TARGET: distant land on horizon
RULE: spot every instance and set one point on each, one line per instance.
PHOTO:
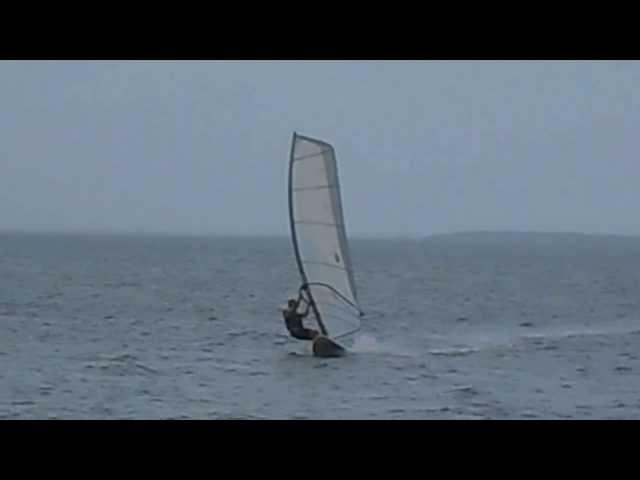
(537, 241)
(489, 235)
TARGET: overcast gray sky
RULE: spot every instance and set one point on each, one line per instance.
(423, 147)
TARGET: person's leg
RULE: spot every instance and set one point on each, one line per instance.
(310, 334)
(304, 333)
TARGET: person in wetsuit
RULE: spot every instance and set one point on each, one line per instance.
(293, 320)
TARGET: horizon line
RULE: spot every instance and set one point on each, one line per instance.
(373, 236)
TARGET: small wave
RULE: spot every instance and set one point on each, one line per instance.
(466, 389)
(378, 397)
(231, 367)
(623, 368)
(395, 411)
(121, 284)
(299, 416)
(297, 354)
(453, 352)
(141, 366)
(244, 333)
(237, 416)
(123, 357)
(122, 363)
(469, 416)
(541, 339)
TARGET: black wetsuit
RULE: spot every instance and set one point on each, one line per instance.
(293, 322)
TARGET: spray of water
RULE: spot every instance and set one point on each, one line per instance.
(366, 343)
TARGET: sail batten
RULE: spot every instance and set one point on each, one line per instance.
(311, 155)
(320, 187)
(320, 224)
(322, 254)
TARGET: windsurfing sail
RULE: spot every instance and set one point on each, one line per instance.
(319, 236)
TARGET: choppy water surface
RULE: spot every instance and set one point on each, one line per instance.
(524, 326)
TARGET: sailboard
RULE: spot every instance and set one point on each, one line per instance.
(320, 242)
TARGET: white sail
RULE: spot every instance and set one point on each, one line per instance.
(319, 236)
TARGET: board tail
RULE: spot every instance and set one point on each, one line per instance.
(327, 348)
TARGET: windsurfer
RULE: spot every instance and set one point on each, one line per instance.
(293, 319)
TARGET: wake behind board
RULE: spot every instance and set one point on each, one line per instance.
(327, 348)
